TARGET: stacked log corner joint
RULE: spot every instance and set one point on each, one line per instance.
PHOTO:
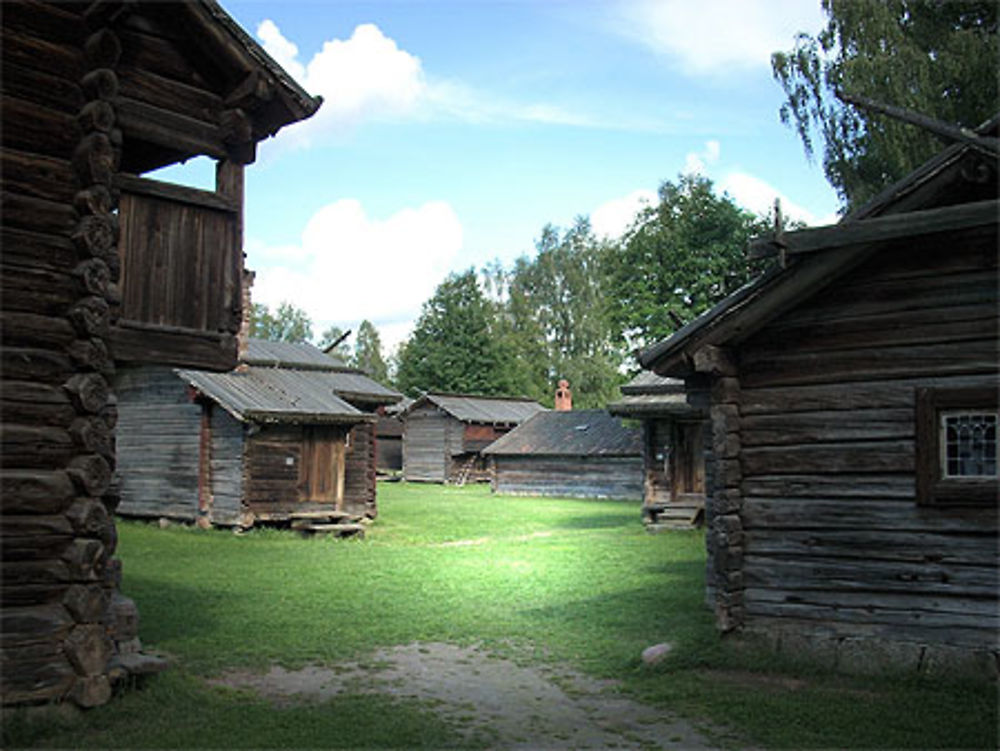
(70, 634)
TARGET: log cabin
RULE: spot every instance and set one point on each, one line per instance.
(676, 449)
(444, 434)
(570, 454)
(288, 436)
(389, 438)
(853, 401)
(102, 267)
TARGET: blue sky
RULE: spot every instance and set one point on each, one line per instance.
(452, 132)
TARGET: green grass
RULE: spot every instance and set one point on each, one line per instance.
(577, 582)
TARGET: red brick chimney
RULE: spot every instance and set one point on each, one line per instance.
(564, 397)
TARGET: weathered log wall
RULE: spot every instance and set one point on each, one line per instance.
(58, 286)
(359, 470)
(816, 531)
(273, 487)
(158, 444)
(614, 477)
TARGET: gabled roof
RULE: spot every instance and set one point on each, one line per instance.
(587, 432)
(255, 97)
(649, 394)
(934, 197)
(488, 410)
(345, 381)
(275, 395)
(291, 355)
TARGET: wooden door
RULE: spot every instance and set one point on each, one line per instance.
(687, 462)
(321, 465)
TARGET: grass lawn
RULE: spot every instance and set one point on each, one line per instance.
(576, 582)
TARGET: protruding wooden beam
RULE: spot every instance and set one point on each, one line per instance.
(881, 228)
(945, 131)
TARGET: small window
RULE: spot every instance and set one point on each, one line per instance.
(957, 446)
(969, 443)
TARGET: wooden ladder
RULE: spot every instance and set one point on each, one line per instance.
(465, 471)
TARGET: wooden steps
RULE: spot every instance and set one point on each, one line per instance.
(660, 517)
(335, 523)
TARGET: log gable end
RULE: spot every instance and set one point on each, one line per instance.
(854, 411)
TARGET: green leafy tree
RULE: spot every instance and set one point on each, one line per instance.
(936, 57)
(453, 347)
(286, 324)
(368, 352)
(556, 322)
(342, 351)
(679, 258)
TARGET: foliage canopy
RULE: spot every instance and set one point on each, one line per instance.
(937, 58)
(680, 257)
(287, 324)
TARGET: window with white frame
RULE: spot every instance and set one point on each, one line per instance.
(968, 444)
(956, 446)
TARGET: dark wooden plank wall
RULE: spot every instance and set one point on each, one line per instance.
(187, 249)
(569, 476)
(833, 540)
(273, 456)
(228, 443)
(389, 453)
(272, 483)
(359, 482)
(158, 444)
(57, 166)
(425, 445)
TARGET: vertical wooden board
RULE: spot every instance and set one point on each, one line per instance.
(227, 467)
(425, 447)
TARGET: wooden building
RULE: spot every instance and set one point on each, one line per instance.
(676, 449)
(571, 454)
(389, 438)
(444, 434)
(100, 267)
(288, 436)
(854, 409)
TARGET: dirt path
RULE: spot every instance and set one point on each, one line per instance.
(513, 706)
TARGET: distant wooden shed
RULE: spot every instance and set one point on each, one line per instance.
(445, 433)
(676, 448)
(101, 267)
(854, 408)
(389, 435)
(574, 454)
(290, 435)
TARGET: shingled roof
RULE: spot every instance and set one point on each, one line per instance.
(291, 382)
(487, 410)
(649, 393)
(275, 395)
(347, 382)
(585, 432)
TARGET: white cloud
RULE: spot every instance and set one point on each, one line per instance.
(349, 266)
(364, 77)
(612, 218)
(718, 37)
(695, 162)
(368, 77)
(758, 196)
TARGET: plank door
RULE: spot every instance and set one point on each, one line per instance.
(321, 466)
(687, 462)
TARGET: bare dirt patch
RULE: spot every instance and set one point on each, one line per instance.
(512, 705)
